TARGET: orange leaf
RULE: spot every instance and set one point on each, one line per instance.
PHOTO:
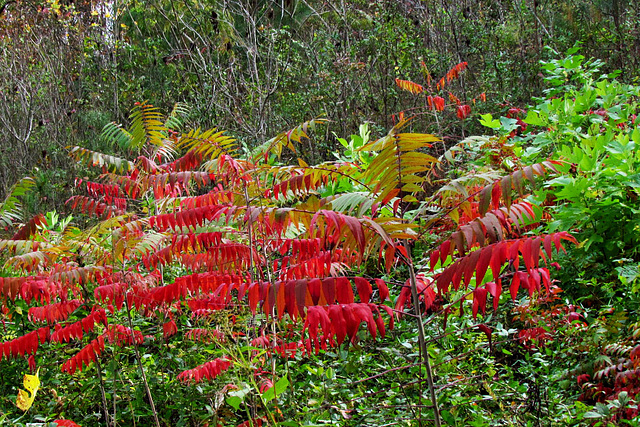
(409, 86)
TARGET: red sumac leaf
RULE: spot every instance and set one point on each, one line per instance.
(433, 259)
(314, 286)
(463, 111)
(26, 344)
(383, 290)
(169, 328)
(343, 290)
(495, 290)
(85, 356)
(438, 103)
(479, 301)
(209, 371)
(121, 335)
(426, 294)
(338, 323)
(30, 227)
(487, 331)
(364, 289)
(483, 264)
(53, 312)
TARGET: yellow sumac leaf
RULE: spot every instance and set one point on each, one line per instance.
(412, 145)
(412, 170)
(411, 178)
(411, 188)
(455, 215)
(388, 180)
(417, 137)
(413, 156)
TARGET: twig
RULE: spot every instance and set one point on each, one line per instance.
(421, 335)
(103, 395)
(399, 368)
(139, 360)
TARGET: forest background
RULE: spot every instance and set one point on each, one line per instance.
(553, 83)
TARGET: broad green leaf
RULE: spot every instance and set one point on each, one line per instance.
(279, 388)
(234, 402)
(534, 118)
(487, 120)
(508, 124)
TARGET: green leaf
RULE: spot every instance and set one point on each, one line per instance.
(343, 142)
(330, 373)
(623, 398)
(616, 147)
(448, 418)
(487, 120)
(236, 397)
(234, 402)
(278, 389)
(628, 273)
(635, 136)
(533, 118)
(507, 124)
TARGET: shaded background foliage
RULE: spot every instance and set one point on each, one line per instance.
(256, 67)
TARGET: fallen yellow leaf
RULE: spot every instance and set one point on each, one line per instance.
(25, 399)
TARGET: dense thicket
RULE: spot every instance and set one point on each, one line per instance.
(235, 258)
